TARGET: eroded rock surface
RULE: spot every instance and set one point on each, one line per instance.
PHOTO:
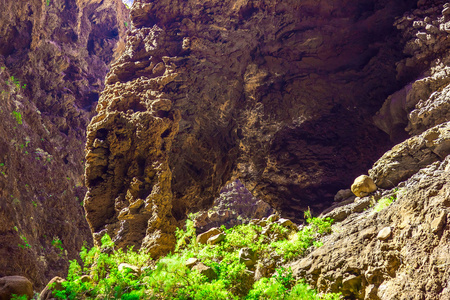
(53, 59)
(279, 94)
(402, 251)
(234, 206)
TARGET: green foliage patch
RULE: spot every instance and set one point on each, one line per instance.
(104, 273)
(386, 201)
(18, 116)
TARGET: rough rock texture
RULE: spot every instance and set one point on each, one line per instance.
(401, 252)
(60, 50)
(362, 262)
(234, 206)
(279, 94)
(15, 285)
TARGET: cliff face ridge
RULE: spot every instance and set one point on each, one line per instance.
(400, 251)
(277, 94)
(54, 56)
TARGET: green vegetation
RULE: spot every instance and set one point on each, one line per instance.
(386, 201)
(56, 242)
(25, 242)
(47, 2)
(169, 278)
(15, 82)
(383, 203)
(18, 117)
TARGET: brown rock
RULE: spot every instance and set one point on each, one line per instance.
(273, 218)
(342, 195)
(409, 157)
(379, 270)
(203, 238)
(17, 285)
(205, 270)
(234, 206)
(215, 239)
(287, 224)
(384, 233)
(191, 262)
(363, 186)
(248, 257)
(256, 112)
(438, 223)
(125, 267)
(54, 285)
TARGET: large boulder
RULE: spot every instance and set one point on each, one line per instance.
(363, 186)
(54, 285)
(15, 285)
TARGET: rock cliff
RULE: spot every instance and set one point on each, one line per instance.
(400, 251)
(279, 94)
(54, 56)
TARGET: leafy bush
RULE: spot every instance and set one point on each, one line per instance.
(18, 116)
(296, 244)
(99, 276)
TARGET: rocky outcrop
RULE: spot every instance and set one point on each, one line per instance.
(234, 206)
(53, 59)
(279, 94)
(396, 253)
(400, 251)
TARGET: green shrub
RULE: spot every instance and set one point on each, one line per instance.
(296, 244)
(170, 278)
(18, 117)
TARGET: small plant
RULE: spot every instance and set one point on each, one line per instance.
(19, 297)
(18, 117)
(386, 201)
(47, 2)
(383, 203)
(34, 203)
(56, 242)
(25, 242)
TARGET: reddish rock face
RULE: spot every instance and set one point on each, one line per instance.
(279, 94)
(53, 58)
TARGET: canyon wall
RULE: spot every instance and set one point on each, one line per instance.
(400, 251)
(54, 55)
(277, 94)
